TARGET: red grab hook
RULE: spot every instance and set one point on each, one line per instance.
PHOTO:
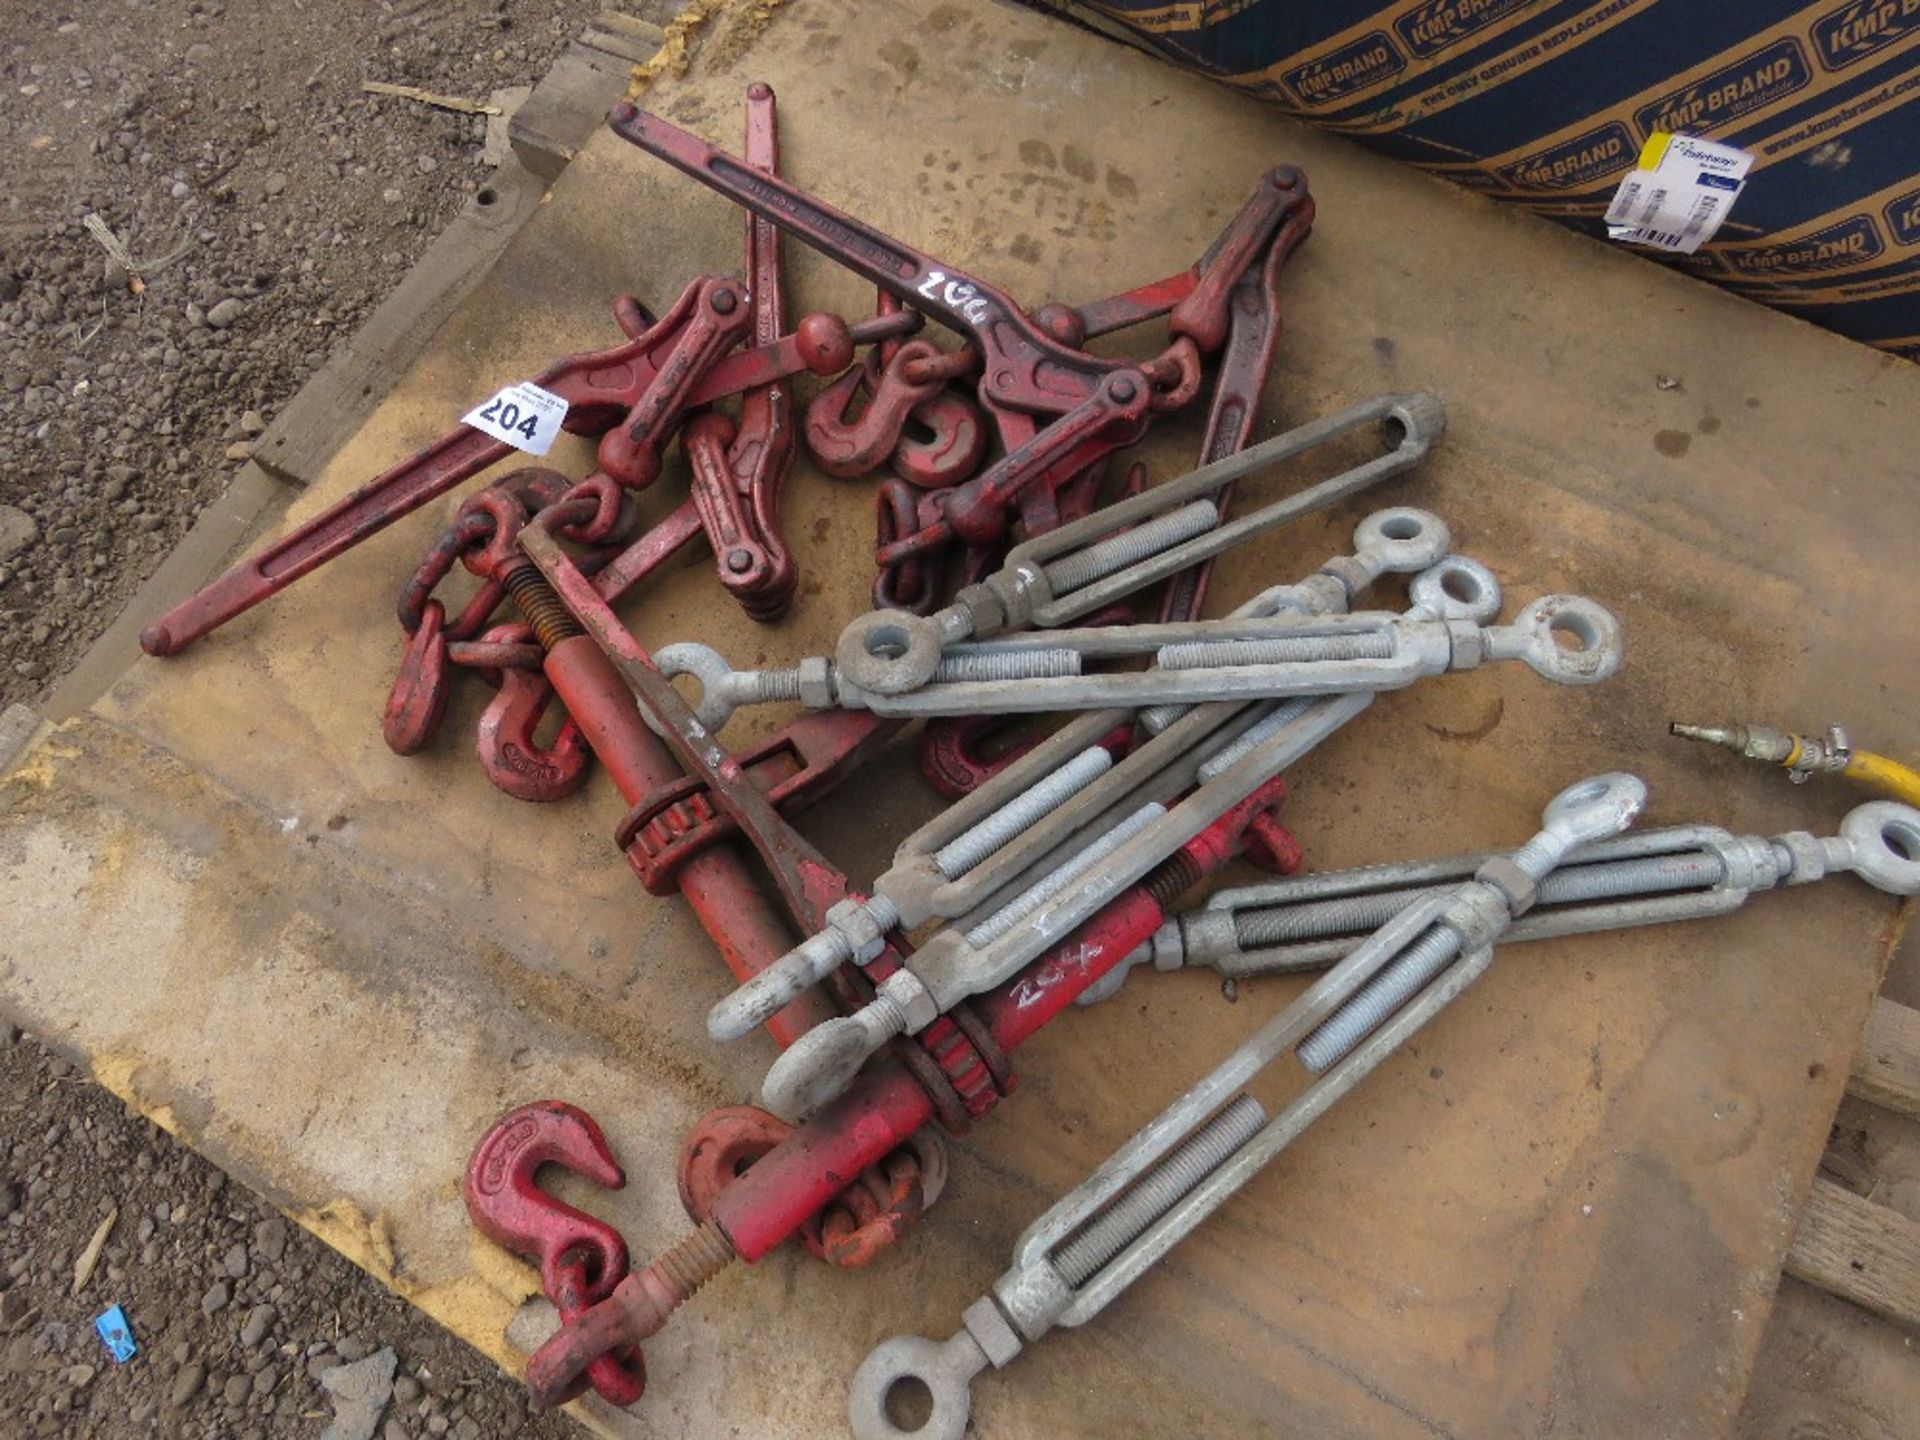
(581, 1259)
(513, 759)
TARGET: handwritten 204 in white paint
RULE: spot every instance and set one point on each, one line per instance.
(957, 295)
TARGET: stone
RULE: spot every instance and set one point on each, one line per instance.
(237, 1390)
(224, 313)
(252, 422)
(270, 1236)
(18, 531)
(360, 1393)
(321, 1361)
(407, 1390)
(259, 1320)
(276, 184)
(187, 1383)
(235, 1261)
(216, 1298)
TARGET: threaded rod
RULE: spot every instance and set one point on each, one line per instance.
(973, 846)
(1115, 553)
(694, 1260)
(1679, 873)
(1156, 1192)
(539, 605)
(1280, 650)
(1402, 978)
(1172, 878)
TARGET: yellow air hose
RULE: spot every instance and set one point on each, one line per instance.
(1803, 756)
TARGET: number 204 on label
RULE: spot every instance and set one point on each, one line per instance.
(524, 416)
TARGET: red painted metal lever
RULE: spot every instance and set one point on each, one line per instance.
(599, 388)
(886, 1103)
(1026, 365)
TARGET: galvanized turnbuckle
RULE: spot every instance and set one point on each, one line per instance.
(1182, 1166)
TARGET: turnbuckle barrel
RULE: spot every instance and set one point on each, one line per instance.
(1654, 877)
(1184, 1164)
(1076, 569)
(947, 968)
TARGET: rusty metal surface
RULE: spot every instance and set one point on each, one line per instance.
(1565, 1218)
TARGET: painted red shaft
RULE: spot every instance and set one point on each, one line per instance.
(886, 1104)
(716, 883)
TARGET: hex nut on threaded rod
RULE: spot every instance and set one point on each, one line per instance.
(821, 1063)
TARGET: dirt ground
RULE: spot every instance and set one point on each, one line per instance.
(237, 1313)
(269, 205)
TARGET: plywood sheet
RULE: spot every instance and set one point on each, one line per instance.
(1562, 1213)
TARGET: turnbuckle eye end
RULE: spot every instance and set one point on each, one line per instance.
(1570, 640)
(1404, 537)
(710, 670)
(815, 1068)
(889, 651)
(1457, 588)
(911, 1368)
(1597, 807)
(1885, 836)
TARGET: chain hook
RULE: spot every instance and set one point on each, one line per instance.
(581, 1258)
(513, 759)
(418, 701)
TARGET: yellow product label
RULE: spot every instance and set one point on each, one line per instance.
(1655, 150)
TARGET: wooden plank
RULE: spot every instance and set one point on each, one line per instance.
(626, 36)
(1830, 1371)
(637, 26)
(18, 723)
(1860, 1251)
(340, 396)
(567, 107)
(1886, 1069)
(623, 50)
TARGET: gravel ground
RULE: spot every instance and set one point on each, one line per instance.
(247, 1325)
(271, 205)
